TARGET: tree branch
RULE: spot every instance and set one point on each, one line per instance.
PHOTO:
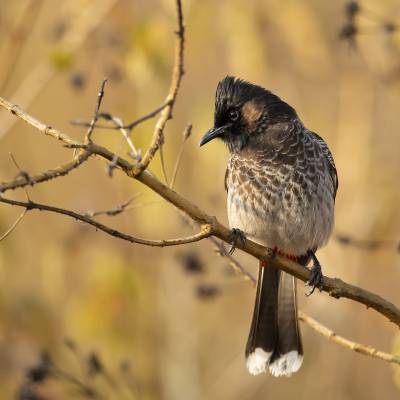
(166, 113)
(186, 134)
(206, 230)
(333, 286)
(62, 170)
(13, 226)
(118, 209)
(100, 95)
(129, 126)
(135, 154)
(357, 347)
(40, 126)
(306, 319)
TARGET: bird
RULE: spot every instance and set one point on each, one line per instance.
(281, 184)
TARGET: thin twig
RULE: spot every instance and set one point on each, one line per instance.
(13, 226)
(163, 168)
(21, 173)
(129, 126)
(357, 347)
(176, 79)
(206, 230)
(119, 124)
(28, 180)
(100, 95)
(40, 126)
(186, 134)
(148, 116)
(118, 209)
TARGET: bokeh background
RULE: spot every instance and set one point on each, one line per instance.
(172, 323)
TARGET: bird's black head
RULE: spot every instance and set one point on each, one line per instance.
(244, 111)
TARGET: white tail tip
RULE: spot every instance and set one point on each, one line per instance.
(257, 361)
(287, 364)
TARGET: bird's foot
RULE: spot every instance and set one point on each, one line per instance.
(316, 278)
(237, 236)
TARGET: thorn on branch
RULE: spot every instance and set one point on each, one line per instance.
(75, 146)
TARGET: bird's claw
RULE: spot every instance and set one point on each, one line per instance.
(316, 280)
(236, 236)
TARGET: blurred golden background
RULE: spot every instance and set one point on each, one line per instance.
(183, 332)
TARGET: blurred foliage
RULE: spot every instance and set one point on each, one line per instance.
(78, 374)
(175, 312)
(143, 56)
(61, 59)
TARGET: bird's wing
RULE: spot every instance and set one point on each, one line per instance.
(328, 155)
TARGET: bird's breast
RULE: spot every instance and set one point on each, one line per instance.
(279, 206)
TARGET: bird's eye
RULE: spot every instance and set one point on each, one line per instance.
(233, 115)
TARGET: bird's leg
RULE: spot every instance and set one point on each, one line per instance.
(316, 277)
(237, 236)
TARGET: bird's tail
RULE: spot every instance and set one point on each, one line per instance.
(274, 340)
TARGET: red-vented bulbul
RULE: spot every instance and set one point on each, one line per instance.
(281, 182)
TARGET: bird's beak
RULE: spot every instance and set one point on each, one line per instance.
(212, 134)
